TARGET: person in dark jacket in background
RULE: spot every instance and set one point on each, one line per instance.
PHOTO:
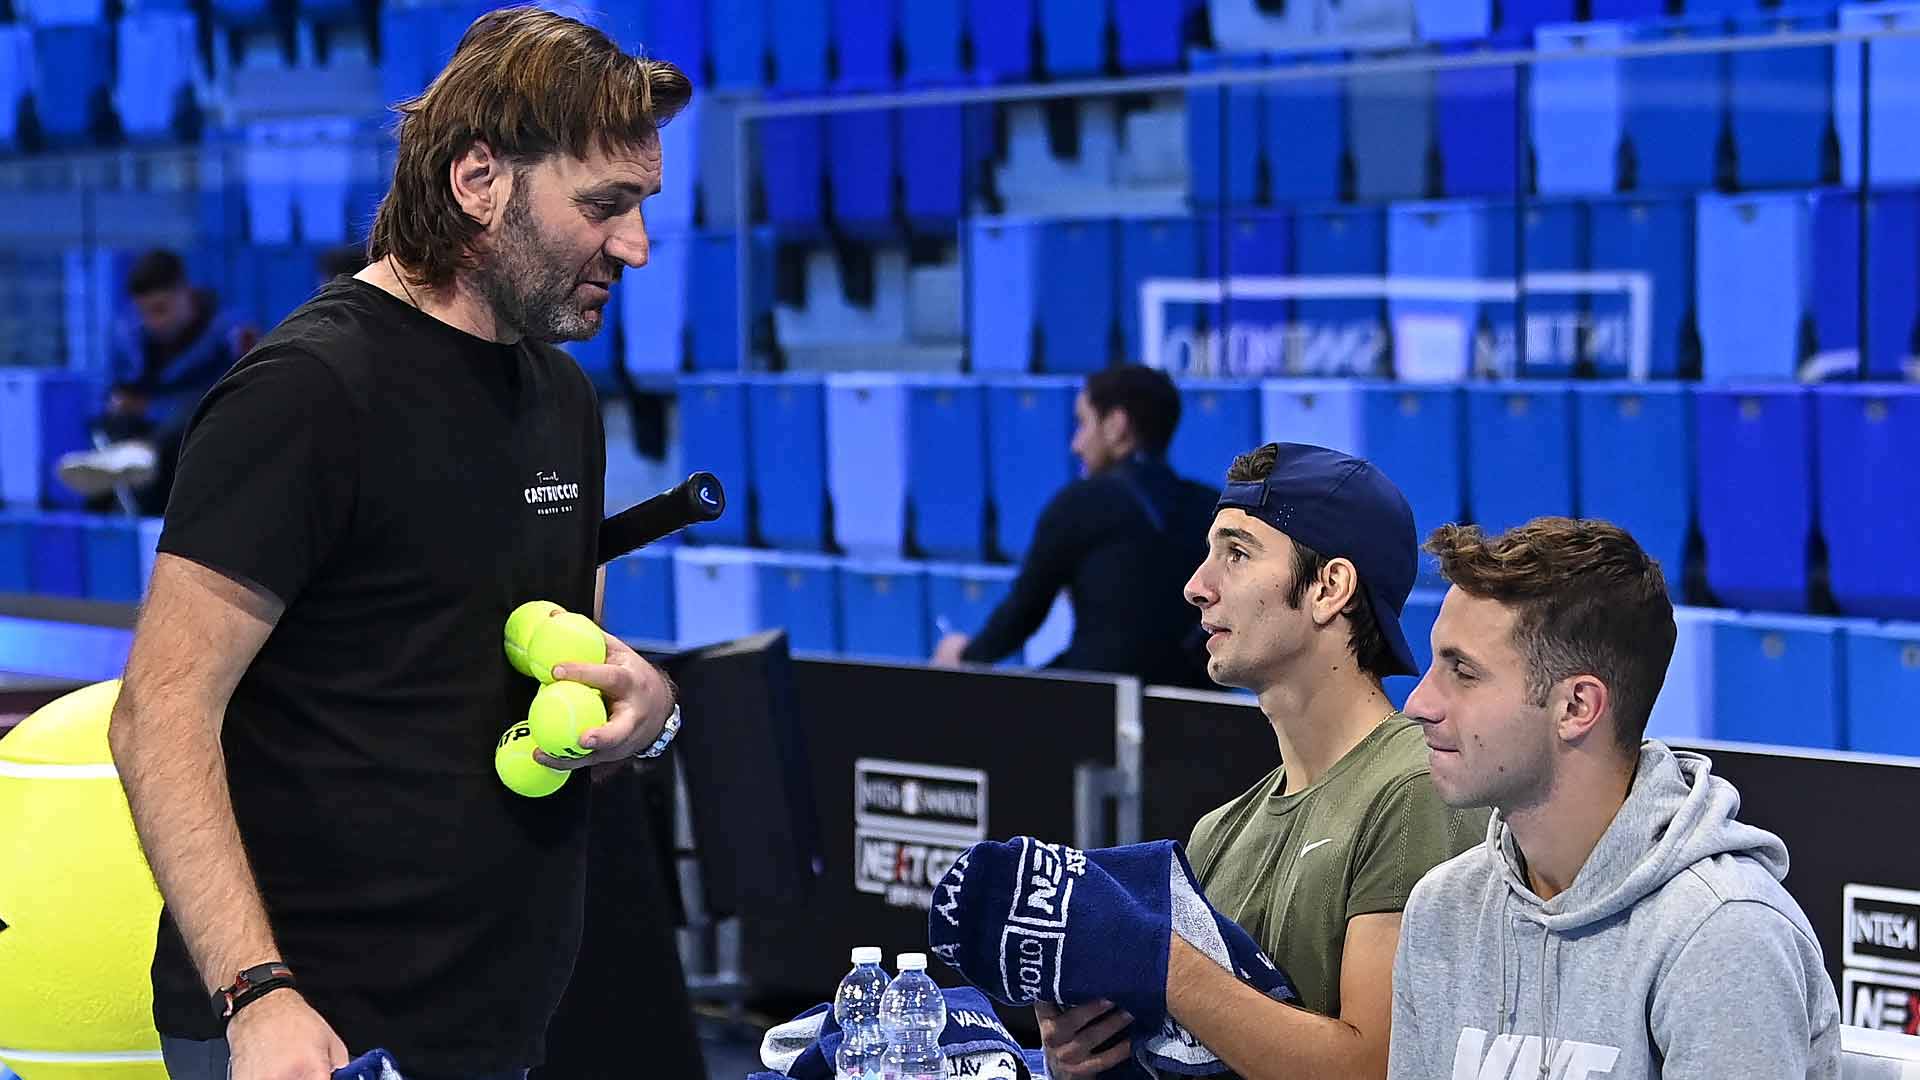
(1121, 540)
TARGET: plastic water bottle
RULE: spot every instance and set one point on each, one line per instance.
(856, 1008)
(913, 1013)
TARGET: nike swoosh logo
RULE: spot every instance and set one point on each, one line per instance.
(1315, 844)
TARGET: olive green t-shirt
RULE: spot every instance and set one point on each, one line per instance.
(1292, 868)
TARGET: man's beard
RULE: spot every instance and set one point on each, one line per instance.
(530, 284)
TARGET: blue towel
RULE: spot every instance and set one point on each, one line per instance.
(372, 1065)
(803, 1048)
(1028, 921)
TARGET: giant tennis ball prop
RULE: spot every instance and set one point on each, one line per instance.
(78, 905)
(561, 712)
(565, 638)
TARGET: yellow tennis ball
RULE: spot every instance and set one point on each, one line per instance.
(560, 712)
(520, 627)
(566, 638)
(77, 903)
(513, 760)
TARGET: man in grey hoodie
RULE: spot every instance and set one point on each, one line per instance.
(1619, 921)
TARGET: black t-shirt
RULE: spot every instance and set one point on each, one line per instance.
(401, 486)
(1123, 543)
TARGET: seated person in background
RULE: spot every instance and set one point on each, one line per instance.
(1120, 540)
(1619, 921)
(1311, 558)
(161, 365)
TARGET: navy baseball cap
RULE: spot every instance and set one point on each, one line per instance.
(1344, 508)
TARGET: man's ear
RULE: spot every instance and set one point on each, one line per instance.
(1116, 426)
(482, 183)
(1335, 589)
(1582, 700)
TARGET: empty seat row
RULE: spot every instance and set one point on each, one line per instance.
(77, 556)
(1722, 287)
(874, 608)
(951, 468)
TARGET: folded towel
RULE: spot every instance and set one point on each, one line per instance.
(1029, 921)
(803, 1048)
(372, 1065)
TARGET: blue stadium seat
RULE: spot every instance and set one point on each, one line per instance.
(1684, 709)
(1883, 682)
(883, 610)
(1448, 20)
(867, 463)
(947, 467)
(1556, 242)
(1074, 292)
(157, 59)
(960, 597)
(1389, 130)
(269, 165)
(1154, 247)
(16, 79)
(800, 594)
(799, 29)
(737, 36)
(863, 37)
(653, 306)
(73, 68)
(715, 304)
(716, 595)
(1318, 412)
(16, 551)
(1524, 16)
(1149, 34)
(1305, 124)
(1455, 239)
(1073, 35)
(931, 32)
(1416, 621)
(1674, 105)
(713, 436)
(1250, 243)
(1779, 679)
(1576, 110)
(677, 31)
(1635, 465)
(1869, 445)
(1219, 420)
(43, 414)
(1475, 126)
(1754, 454)
(1781, 101)
(1223, 158)
(1654, 236)
(1893, 282)
(57, 555)
(1630, 10)
(596, 355)
(1002, 39)
(1753, 260)
(861, 164)
(1732, 8)
(787, 441)
(1520, 454)
(409, 50)
(1893, 96)
(111, 547)
(1002, 261)
(1242, 25)
(639, 597)
(1029, 429)
(1344, 336)
(793, 162)
(940, 149)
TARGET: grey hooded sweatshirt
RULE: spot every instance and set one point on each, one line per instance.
(1676, 953)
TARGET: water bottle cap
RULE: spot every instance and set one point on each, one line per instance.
(912, 961)
(866, 954)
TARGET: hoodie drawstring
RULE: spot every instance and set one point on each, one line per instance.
(1500, 944)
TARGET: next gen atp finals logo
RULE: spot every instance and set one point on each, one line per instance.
(911, 822)
(1880, 985)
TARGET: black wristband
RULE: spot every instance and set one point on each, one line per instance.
(249, 986)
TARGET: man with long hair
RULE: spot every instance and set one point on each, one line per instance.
(317, 683)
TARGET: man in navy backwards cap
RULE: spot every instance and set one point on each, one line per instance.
(1310, 558)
